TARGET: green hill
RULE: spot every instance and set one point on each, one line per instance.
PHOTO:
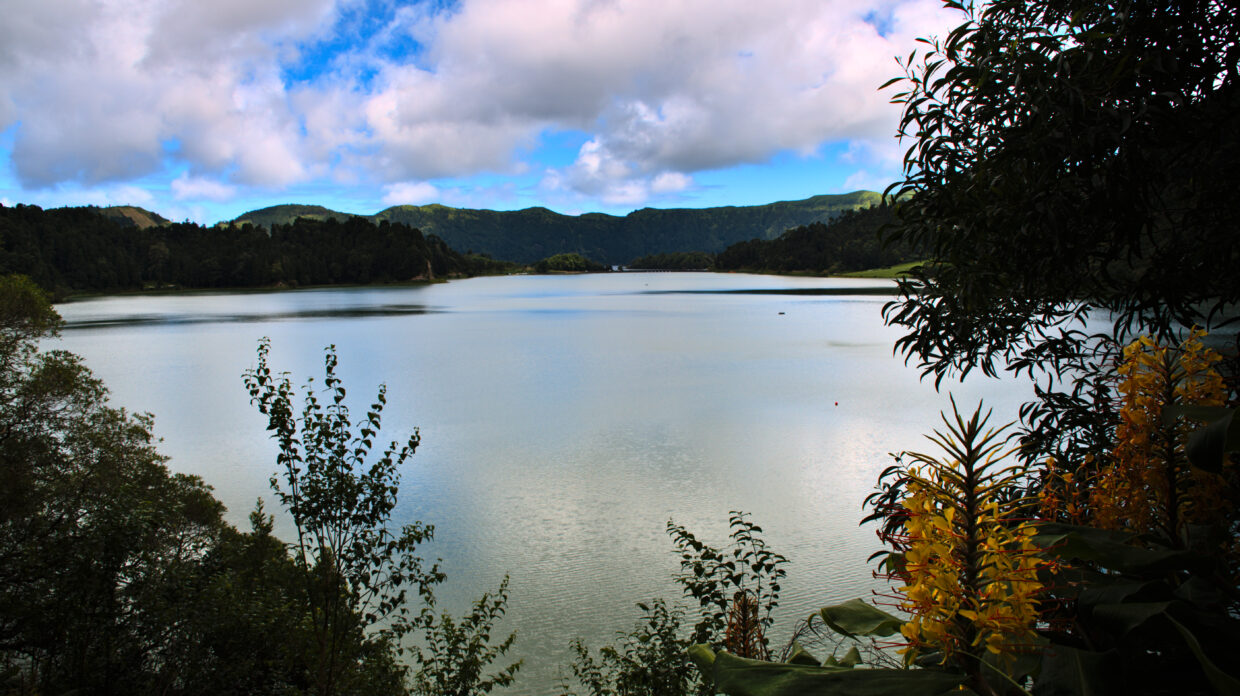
(133, 216)
(528, 235)
(284, 214)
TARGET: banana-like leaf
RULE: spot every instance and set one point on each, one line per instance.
(1110, 549)
(1118, 592)
(857, 618)
(1207, 447)
(1067, 671)
(1124, 618)
(801, 656)
(1224, 684)
(704, 658)
(737, 676)
(851, 659)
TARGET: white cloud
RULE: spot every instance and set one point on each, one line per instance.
(194, 188)
(598, 173)
(686, 86)
(410, 193)
(670, 182)
(663, 89)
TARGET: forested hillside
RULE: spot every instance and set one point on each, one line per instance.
(851, 242)
(528, 235)
(70, 250)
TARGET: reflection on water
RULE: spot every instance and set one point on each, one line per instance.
(834, 291)
(214, 318)
(564, 421)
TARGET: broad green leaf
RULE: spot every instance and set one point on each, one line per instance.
(738, 676)
(1110, 549)
(1224, 684)
(852, 658)
(1130, 616)
(1207, 447)
(704, 658)
(1067, 671)
(1102, 592)
(857, 618)
(801, 656)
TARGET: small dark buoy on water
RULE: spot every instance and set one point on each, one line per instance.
(837, 403)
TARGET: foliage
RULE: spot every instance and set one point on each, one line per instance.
(1134, 615)
(1147, 484)
(674, 261)
(456, 654)
(117, 576)
(1067, 160)
(849, 242)
(79, 249)
(999, 603)
(967, 561)
(736, 588)
(650, 660)
(357, 573)
(1067, 157)
(568, 263)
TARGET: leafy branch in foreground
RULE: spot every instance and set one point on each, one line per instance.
(357, 573)
(457, 653)
(736, 588)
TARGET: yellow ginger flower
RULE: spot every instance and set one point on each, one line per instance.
(970, 569)
(1147, 485)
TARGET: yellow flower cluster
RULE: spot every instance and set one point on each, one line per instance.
(1064, 496)
(972, 586)
(1147, 485)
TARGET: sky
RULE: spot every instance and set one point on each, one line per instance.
(202, 110)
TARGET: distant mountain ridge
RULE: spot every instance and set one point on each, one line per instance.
(531, 234)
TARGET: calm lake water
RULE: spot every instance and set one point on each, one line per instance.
(564, 421)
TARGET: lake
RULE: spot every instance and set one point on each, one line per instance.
(564, 421)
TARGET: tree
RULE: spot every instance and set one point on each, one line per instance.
(357, 573)
(96, 535)
(1068, 159)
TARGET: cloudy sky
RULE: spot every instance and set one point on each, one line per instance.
(204, 109)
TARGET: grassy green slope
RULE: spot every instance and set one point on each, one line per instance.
(131, 215)
(284, 214)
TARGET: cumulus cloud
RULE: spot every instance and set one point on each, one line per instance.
(145, 80)
(687, 86)
(410, 193)
(193, 188)
(390, 93)
(598, 173)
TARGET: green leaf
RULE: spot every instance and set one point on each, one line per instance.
(1207, 447)
(1117, 592)
(1110, 549)
(1223, 683)
(704, 658)
(851, 659)
(801, 656)
(1067, 671)
(857, 618)
(1130, 616)
(738, 676)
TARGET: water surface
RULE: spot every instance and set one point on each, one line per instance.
(564, 421)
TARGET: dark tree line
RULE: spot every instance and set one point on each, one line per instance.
(70, 250)
(850, 242)
(675, 261)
